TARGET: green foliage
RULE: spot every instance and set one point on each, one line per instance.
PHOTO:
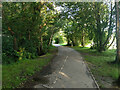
(33, 26)
(27, 29)
(88, 21)
(57, 41)
(8, 53)
(59, 37)
(20, 54)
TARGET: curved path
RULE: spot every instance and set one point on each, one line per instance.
(68, 71)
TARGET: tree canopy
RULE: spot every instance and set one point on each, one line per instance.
(29, 28)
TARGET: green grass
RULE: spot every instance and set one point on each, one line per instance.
(15, 74)
(99, 62)
(52, 48)
(109, 53)
(63, 44)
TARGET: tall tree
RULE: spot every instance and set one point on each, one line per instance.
(117, 31)
(118, 36)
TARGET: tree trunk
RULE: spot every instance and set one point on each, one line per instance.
(82, 42)
(38, 50)
(118, 37)
(50, 40)
(15, 40)
(111, 42)
(73, 43)
(15, 43)
(68, 41)
(117, 33)
(41, 45)
(99, 32)
(109, 29)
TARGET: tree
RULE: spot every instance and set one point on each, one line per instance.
(103, 25)
(28, 29)
(118, 36)
(85, 22)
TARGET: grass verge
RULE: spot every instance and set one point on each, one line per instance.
(15, 74)
(104, 72)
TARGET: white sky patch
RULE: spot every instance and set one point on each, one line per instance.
(59, 9)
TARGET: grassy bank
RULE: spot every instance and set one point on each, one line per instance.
(15, 74)
(104, 72)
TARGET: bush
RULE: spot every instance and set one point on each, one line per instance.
(8, 53)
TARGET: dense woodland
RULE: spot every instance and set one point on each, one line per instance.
(28, 29)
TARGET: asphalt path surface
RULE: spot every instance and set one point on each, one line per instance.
(68, 71)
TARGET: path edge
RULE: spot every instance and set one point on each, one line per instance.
(91, 73)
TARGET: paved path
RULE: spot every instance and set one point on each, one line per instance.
(68, 71)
